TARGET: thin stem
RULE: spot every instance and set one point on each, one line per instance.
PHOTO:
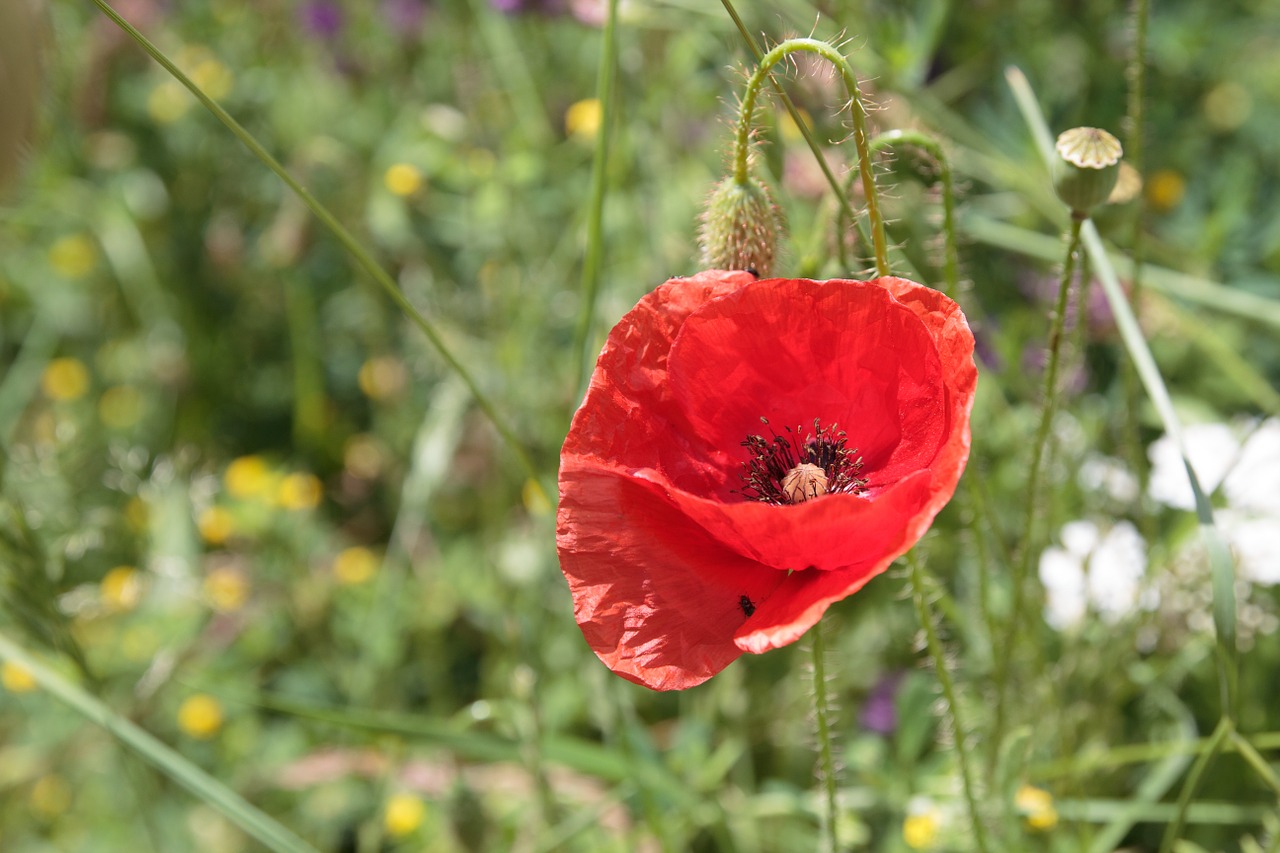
(592, 260)
(842, 198)
(1134, 152)
(920, 597)
(1216, 740)
(1256, 761)
(1022, 567)
(827, 767)
(345, 237)
(951, 255)
(746, 114)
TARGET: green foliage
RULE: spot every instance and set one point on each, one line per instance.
(231, 467)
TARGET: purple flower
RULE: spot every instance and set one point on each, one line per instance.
(404, 16)
(321, 18)
(879, 713)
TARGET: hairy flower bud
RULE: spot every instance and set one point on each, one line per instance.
(1089, 168)
(740, 228)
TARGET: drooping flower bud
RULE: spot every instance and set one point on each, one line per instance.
(740, 227)
(1089, 168)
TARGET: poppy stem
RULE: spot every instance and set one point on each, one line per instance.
(1022, 567)
(950, 260)
(746, 115)
(925, 614)
(827, 767)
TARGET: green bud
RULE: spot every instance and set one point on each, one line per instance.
(1089, 168)
(740, 228)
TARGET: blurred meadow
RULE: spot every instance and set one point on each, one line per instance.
(271, 578)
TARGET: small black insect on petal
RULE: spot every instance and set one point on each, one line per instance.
(748, 607)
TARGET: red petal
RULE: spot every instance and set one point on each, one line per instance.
(866, 355)
(658, 600)
(798, 604)
(628, 419)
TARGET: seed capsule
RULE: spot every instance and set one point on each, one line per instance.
(1089, 168)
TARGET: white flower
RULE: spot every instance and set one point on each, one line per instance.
(1093, 570)
(1245, 463)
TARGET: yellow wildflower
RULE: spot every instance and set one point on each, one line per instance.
(226, 589)
(121, 588)
(355, 565)
(300, 491)
(249, 477)
(582, 119)
(200, 716)
(1165, 190)
(920, 828)
(65, 379)
(216, 525)
(403, 815)
(403, 179)
(16, 679)
(73, 256)
(1036, 805)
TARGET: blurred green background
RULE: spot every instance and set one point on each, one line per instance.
(292, 547)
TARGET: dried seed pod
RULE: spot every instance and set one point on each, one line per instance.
(1088, 169)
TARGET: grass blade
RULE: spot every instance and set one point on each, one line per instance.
(236, 809)
(1221, 568)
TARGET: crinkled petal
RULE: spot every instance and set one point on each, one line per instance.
(627, 418)
(658, 600)
(887, 357)
(792, 350)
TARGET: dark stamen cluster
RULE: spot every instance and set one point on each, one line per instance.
(772, 459)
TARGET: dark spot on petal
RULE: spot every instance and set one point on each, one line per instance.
(753, 272)
(746, 604)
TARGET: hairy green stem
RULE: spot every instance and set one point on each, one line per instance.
(1048, 406)
(951, 255)
(349, 242)
(841, 197)
(827, 766)
(746, 115)
(920, 596)
(593, 258)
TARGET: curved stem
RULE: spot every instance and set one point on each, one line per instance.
(349, 242)
(951, 255)
(827, 766)
(919, 595)
(746, 114)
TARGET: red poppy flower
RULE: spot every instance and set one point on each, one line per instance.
(749, 452)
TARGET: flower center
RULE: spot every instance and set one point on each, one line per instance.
(788, 469)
